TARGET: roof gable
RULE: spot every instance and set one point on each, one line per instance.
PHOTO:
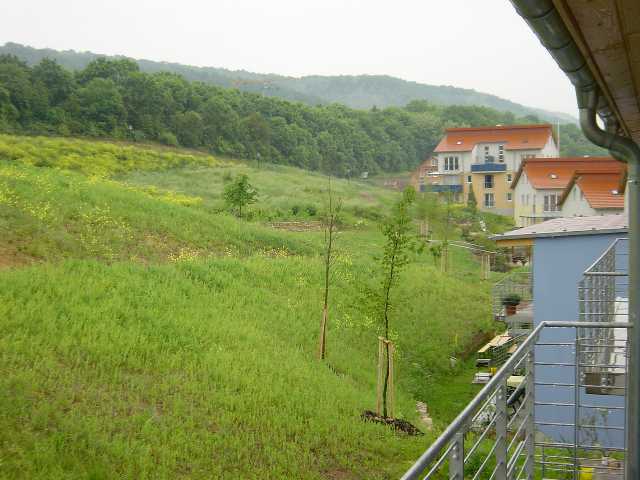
(556, 173)
(600, 189)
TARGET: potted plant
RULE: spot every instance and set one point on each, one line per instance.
(510, 303)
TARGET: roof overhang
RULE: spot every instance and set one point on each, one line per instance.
(567, 227)
(607, 34)
(502, 240)
(514, 242)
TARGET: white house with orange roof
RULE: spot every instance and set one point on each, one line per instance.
(592, 193)
(485, 159)
(540, 183)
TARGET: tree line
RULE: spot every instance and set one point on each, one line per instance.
(113, 98)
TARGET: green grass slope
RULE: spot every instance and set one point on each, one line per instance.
(147, 333)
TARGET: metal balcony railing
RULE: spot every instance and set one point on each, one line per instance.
(557, 408)
(499, 435)
(604, 297)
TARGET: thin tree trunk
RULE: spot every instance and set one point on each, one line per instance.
(386, 327)
(323, 334)
(386, 380)
(322, 350)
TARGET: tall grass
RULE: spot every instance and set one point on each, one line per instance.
(96, 157)
(157, 336)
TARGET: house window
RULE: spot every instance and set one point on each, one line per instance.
(489, 201)
(501, 153)
(434, 162)
(509, 197)
(468, 178)
(509, 178)
(451, 163)
(527, 199)
(522, 199)
(550, 203)
(488, 181)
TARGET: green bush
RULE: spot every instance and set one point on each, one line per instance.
(168, 138)
(369, 213)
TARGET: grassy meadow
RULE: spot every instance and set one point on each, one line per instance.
(148, 333)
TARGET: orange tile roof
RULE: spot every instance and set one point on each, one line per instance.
(514, 137)
(598, 188)
(556, 173)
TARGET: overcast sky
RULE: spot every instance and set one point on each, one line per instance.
(479, 44)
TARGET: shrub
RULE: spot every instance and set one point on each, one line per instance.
(369, 213)
(311, 210)
(168, 138)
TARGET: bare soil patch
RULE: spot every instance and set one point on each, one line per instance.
(396, 423)
(10, 257)
(338, 474)
(297, 226)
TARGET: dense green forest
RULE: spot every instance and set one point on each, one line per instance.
(361, 91)
(113, 98)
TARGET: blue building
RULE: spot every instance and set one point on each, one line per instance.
(568, 255)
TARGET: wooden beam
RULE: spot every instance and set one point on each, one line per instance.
(515, 242)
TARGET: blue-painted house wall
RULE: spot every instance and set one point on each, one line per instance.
(558, 267)
(559, 264)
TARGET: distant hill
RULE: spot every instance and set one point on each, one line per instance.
(361, 91)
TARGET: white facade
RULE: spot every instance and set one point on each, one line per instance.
(534, 205)
(576, 205)
(478, 155)
(496, 166)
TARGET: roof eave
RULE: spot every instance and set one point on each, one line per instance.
(497, 238)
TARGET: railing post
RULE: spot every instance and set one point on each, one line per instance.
(456, 457)
(530, 414)
(576, 408)
(501, 432)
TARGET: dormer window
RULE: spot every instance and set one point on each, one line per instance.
(554, 176)
(459, 142)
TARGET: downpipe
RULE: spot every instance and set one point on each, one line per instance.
(626, 150)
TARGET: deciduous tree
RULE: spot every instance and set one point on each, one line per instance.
(239, 193)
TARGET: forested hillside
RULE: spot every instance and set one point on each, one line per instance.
(113, 98)
(361, 91)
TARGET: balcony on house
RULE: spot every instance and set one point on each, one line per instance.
(436, 188)
(488, 167)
